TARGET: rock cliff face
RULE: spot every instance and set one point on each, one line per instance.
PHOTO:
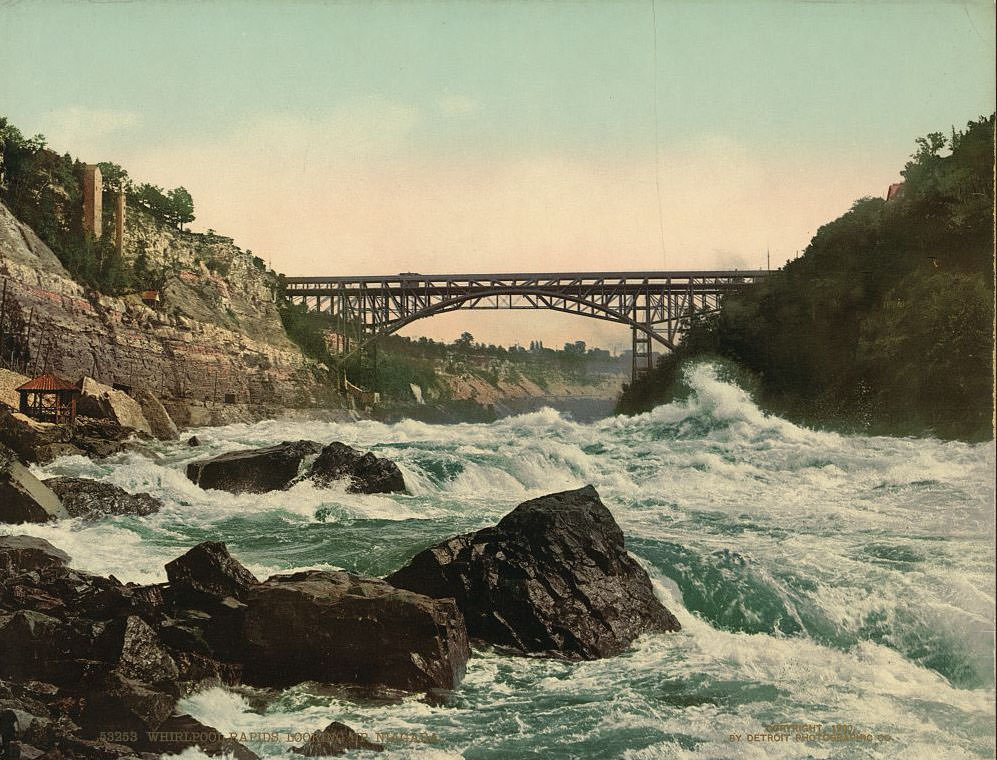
(213, 349)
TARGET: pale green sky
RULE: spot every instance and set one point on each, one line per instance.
(405, 136)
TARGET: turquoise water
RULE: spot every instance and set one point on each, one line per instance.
(819, 579)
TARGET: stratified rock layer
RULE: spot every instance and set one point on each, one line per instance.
(553, 576)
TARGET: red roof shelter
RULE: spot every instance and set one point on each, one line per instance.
(49, 398)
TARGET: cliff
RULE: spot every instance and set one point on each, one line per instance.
(213, 348)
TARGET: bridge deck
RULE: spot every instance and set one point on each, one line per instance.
(551, 278)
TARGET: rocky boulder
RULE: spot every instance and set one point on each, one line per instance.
(137, 652)
(271, 468)
(26, 553)
(335, 739)
(28, 438)
(103, 402)
(366, 472)
(92, 499)
(552, 577)
(342, 628)
(208, 570)
(115, 703)
(155, 413)
(24, 498)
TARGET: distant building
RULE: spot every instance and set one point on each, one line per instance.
(894, 190)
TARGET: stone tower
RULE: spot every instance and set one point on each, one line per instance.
(119, 223)
(93, 191)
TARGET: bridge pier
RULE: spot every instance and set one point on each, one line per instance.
(642, 361)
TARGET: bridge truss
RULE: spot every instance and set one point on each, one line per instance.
(657, 306)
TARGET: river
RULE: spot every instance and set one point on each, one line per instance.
(819, 579)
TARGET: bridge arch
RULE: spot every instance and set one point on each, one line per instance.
(456, 303)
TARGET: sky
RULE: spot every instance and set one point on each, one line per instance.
(495, 136)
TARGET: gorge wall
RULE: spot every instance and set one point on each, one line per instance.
(213, 349)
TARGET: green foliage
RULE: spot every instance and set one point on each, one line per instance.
(307, 330)
(181, 206)
(174, 207)
(113, 177)
(885, 323)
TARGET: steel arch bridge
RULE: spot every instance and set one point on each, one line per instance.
(657, 306)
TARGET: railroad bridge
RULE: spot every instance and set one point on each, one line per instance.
(657, 306)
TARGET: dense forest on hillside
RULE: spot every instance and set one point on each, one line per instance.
(885, 323)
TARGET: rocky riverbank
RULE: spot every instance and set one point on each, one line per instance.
(93, 667)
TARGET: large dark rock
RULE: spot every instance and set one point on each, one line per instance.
(253, 470)
(178, 732)
(120, 704)
(42, 442)
(100, 438)
(335, 739)
(37, 646)
(553, 576)
(138, 653)
(91, 499)
(26, 553)
(25, 437)
(366, 472)
(24, 498)
(208, 570)
(342, 628)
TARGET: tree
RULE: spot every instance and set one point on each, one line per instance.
(466, 340)
(114, 177)
(181, 207)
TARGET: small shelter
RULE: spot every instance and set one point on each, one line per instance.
(49, 398)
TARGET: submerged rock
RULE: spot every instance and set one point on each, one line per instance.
(366, 472)
(24, 498)
(92, 499)
(343, 628)
(553, 576)
(335, 739)
(271, 468)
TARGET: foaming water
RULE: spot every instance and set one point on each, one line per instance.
(819, 578)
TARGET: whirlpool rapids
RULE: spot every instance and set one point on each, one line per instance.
(821, 580)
